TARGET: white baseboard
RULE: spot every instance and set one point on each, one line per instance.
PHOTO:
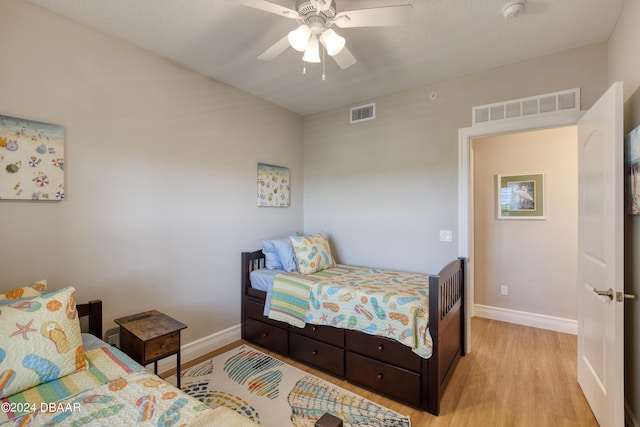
(629, 416)
(200, 347)
(558, 324)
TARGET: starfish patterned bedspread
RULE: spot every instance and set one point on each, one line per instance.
(375, 301)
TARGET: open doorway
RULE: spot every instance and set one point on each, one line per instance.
(465, 186)
(525, 259)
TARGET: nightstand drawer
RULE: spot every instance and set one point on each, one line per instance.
(161, 346)
(150, 336)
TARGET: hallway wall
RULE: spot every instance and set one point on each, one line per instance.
(536, 259)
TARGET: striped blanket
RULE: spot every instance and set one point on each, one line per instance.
(291, 292)
(375, 301)
(113, 391)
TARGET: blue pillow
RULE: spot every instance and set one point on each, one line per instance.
(279, 254)
(271, 257)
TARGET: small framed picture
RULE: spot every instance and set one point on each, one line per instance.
(31, 160)
(273, 186)
(521, 196)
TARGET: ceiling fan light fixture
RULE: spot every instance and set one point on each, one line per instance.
(312, 54)
(299, 38)
(333, 42)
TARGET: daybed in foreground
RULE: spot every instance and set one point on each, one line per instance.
(51, 374)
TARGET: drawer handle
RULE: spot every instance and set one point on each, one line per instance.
(314, 353)
(380, 347)
(314, 328)
(265, 334)
(163, 346)
(380, 377)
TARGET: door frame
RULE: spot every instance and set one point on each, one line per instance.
(465, 185)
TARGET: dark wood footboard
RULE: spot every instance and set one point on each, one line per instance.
(92, 309)
(378, 363)
(446, 325)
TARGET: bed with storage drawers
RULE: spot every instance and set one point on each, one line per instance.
(365, 357)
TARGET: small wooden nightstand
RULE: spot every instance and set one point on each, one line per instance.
(150, 336)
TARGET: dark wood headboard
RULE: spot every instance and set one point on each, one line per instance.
(251, 261)
(92, 309)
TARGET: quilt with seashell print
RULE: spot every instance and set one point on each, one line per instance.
(273, 393)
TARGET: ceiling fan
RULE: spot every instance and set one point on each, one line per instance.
(315, 19)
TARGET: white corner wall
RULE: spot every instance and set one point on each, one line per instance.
(624, 61)
(624, 65)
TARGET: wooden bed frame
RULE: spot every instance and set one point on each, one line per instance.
(92, 309)
(377, 363)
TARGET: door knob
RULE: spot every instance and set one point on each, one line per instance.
(607, 293)
(620, 296)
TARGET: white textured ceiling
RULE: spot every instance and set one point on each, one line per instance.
(445, 39)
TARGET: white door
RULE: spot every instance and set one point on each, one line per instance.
(600, 246)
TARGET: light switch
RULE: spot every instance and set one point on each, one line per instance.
(446, 235)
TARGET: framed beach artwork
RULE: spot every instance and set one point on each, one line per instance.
(273, 186)
(521, 196)
(31, 160)
(632, 142)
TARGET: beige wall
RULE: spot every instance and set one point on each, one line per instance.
(536, 259)
(624, 61)
(385, 188)
(624, 65)
(160, 174)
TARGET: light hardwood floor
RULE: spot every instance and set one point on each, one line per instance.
(514, 376)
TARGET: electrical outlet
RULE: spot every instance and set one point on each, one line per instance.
(113, 339)
(504, 290)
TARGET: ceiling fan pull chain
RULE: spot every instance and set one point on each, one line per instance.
(324, 77)
(304, 67)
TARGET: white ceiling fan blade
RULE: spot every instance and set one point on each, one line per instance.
(267, 6)
(275, 50)
(375, 17)
(344, 58)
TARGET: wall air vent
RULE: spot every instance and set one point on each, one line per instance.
(363, 113)
(567, 100)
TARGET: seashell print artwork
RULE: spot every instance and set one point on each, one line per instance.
(31, 160)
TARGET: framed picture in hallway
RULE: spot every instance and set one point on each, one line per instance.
(521, 196)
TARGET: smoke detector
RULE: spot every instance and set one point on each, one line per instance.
(513, 8)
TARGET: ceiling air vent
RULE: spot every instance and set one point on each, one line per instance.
(363, 113)
(568, 100)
